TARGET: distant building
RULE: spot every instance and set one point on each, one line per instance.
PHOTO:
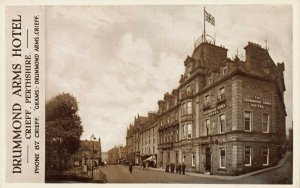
(104, 157)
(116, 155)
(149, 139)
(88, 152)
(133, 139)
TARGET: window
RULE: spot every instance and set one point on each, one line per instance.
(207, 122)
(265, 156)
(168, 137)
(265, 123)
(189, 130)
(222, 123)
(209, 79)
(247, 120)
(161, 123)
(168, 119)
(193, 160)
(222, 163)
(183, 132)
(206, 99)
(176, 116)
(247, 160)
(183, 158)
(189, 107)
(177, 136)
(183, 109)
(224, 70)
(188, 89)
(222, 93)
(190, 67)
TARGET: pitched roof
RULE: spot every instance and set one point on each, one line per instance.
(86, 145)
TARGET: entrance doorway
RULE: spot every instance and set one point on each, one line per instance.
(207, 159)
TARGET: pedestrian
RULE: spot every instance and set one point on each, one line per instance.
(167, 167)
(147, 164)
(130, 167)
(179, 168)
(172, 167)
(183, 168)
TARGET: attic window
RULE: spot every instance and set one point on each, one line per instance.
(224, 70)
(209, 79)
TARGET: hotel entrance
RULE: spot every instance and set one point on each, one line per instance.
(207, 159)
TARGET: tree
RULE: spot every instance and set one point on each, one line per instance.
(63, 127)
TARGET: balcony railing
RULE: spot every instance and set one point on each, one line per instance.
(186, 94)
(206, 105)
(221, 98)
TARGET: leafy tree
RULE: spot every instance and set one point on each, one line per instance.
(63, 127)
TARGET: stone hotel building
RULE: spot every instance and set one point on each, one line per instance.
(227, 116)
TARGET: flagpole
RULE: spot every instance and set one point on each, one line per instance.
(204, 38)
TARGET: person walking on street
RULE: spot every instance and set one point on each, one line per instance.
(183, 168)
(179, 168)
(130, 167)
(172, 167)
(167, 167)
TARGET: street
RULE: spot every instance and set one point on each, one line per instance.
(120, 174)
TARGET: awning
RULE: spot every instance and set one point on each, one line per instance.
(151, 158)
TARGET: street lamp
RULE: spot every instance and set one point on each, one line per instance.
(92, 139)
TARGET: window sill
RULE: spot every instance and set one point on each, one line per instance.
(248, 165)
(265, 164)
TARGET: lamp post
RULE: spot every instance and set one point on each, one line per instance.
(92, 139)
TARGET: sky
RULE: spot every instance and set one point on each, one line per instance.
(118, 61)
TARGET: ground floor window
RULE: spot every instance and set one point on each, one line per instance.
(222, 157)
(247, 160)
(265, 155)
(193, 159)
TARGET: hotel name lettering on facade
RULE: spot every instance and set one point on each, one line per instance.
(215, 110)
(257, 102)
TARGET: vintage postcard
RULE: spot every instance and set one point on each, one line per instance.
(150, 93)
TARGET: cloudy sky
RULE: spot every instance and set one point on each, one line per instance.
(119, 60)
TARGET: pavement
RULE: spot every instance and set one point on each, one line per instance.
(279, 165)
(280, 174)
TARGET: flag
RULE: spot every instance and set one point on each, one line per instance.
(209, 18)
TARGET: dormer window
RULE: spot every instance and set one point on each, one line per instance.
(188, 89)
(224, 70)
(206, 99)
(190, 68)
(209, 80)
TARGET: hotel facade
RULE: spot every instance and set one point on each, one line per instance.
(227, 116)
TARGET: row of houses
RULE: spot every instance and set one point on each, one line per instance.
(227, 116)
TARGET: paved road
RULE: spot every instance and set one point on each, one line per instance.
(120, 174)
